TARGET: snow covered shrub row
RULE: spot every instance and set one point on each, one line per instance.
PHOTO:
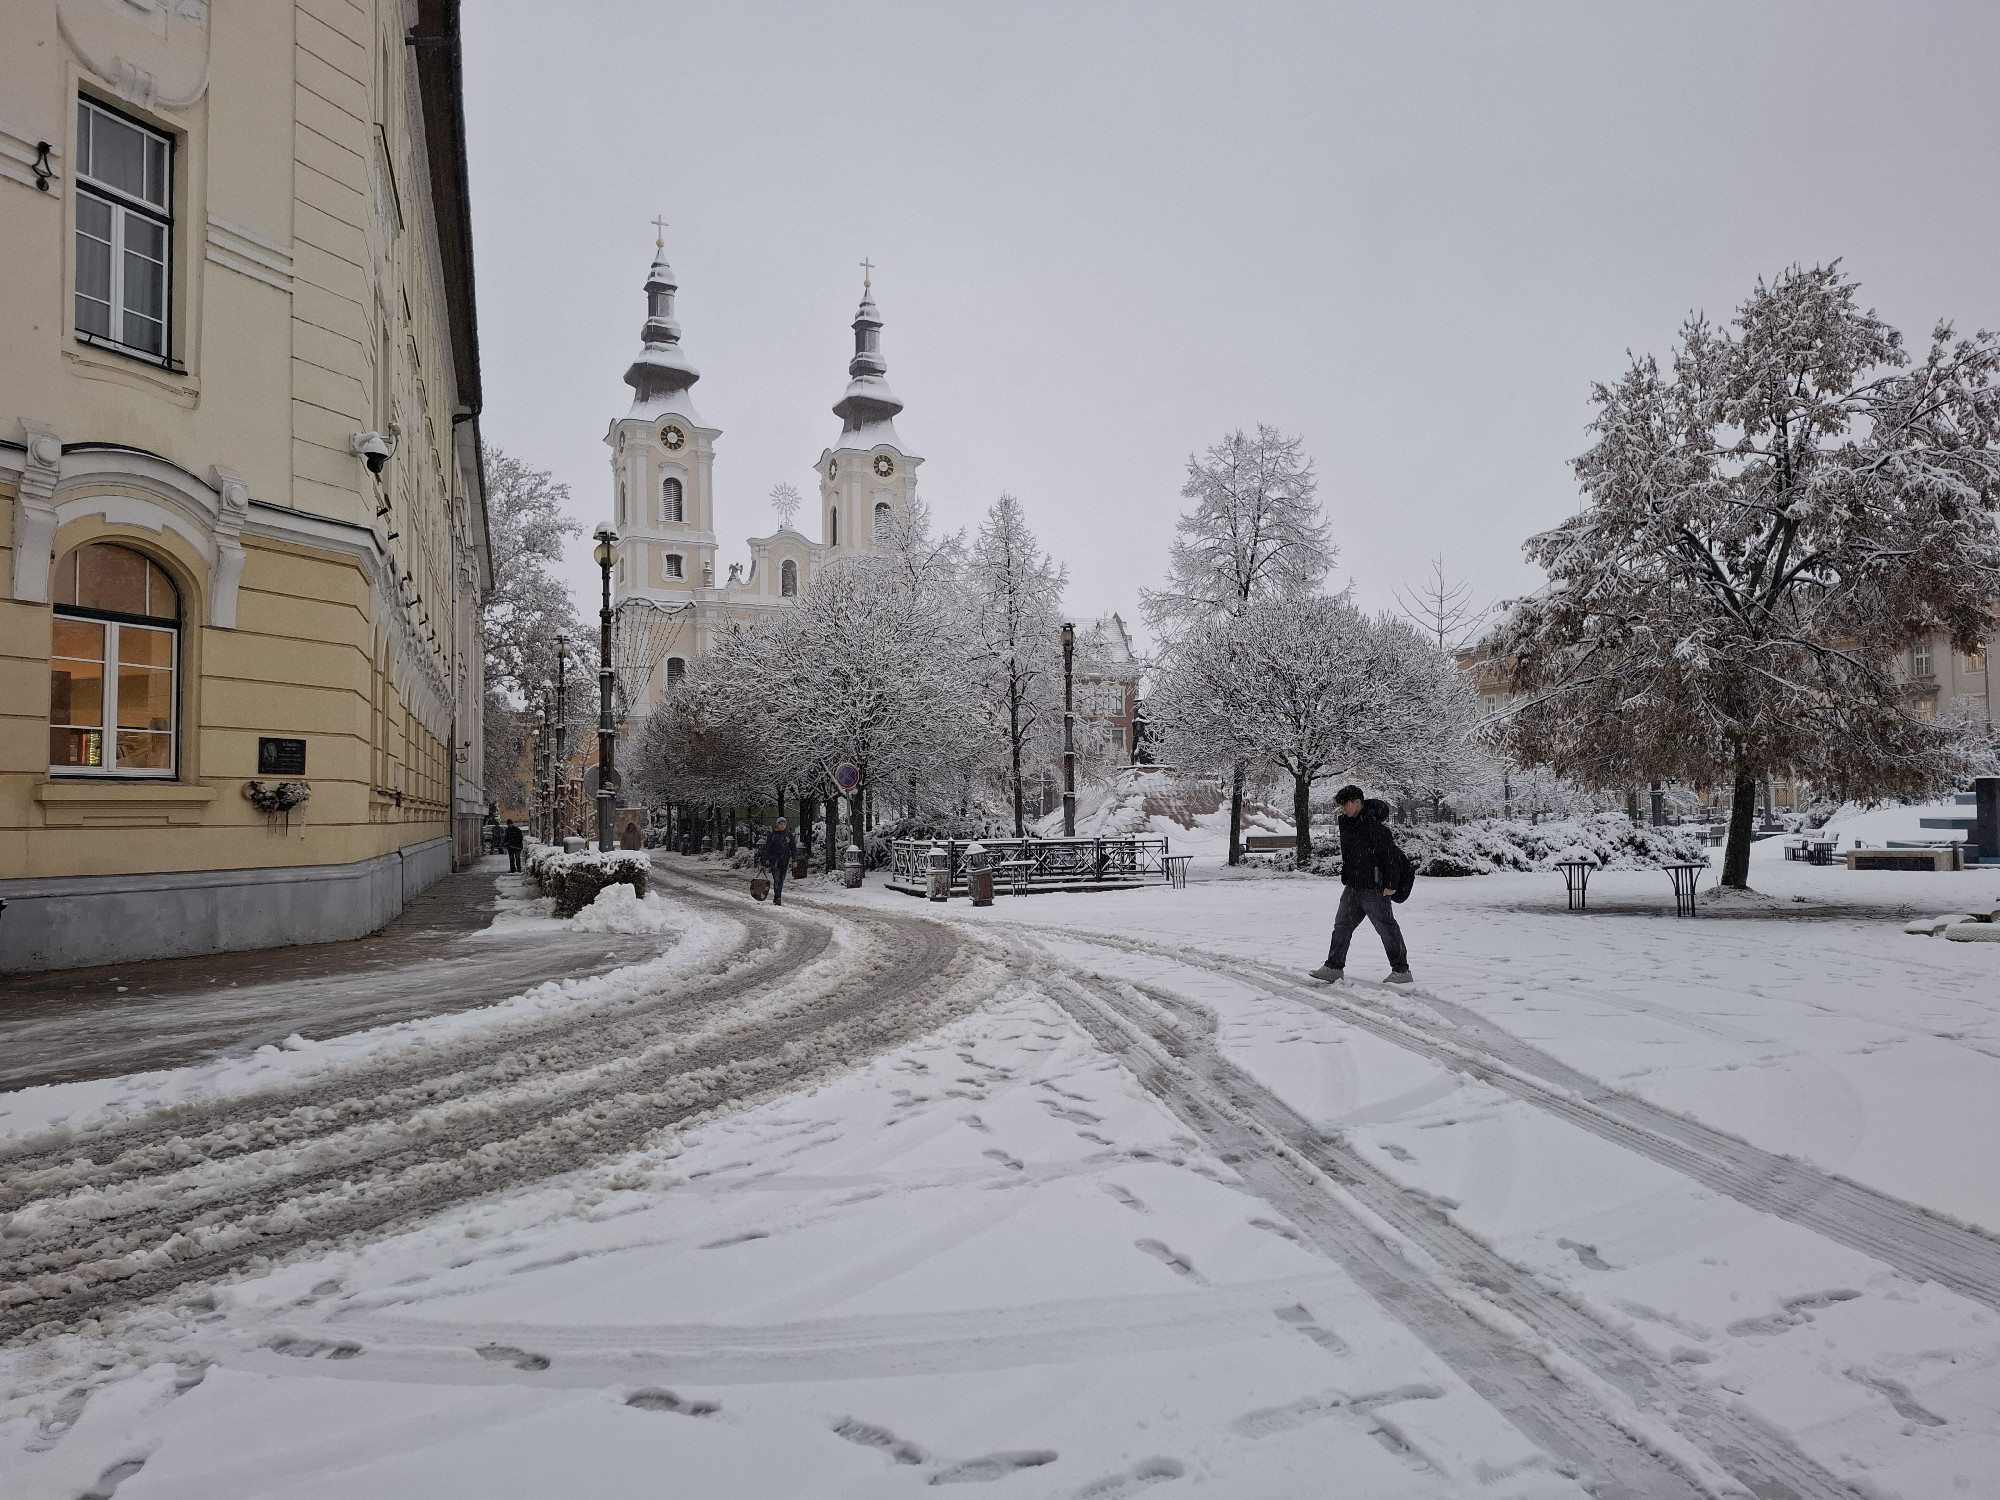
(1487, 846)
(575, 879)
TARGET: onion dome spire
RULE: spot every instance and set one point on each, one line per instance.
(662, 373)
(868, 403)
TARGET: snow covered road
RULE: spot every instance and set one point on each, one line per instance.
(1081, 1197)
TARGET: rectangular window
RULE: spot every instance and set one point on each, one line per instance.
(1920, 660)
(111, 697)
(124, 231)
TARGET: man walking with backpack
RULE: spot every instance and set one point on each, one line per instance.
(776, 856)
(1373, 873)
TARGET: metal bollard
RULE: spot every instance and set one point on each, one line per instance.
(851, 867)
(940, 873)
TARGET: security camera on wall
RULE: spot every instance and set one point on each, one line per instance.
(373, 447)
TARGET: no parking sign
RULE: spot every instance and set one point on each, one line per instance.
(847, 776)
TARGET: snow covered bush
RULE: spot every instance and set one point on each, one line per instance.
(1488, 846)
(575, 879)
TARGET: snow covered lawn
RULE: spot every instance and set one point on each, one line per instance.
(1003, 1253)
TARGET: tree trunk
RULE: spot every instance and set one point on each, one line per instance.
(832, 834)
(807, 806)
(1236, 815)
(857, 824)
(1014, 739)
(1302, 818)
(1742, 813)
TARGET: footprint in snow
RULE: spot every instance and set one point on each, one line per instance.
(1587, 1254)
(507, 1354)
(1011, 1163)
(977, 1124)
(299, 1348)
(108, 1482)
(868, 1435)
(1796, 1311)
(1389, 1148)
(1282, 1231)
(1146, 1472)
(1073, 1116)
(1298, 1317)
(1898, 1396)
(655, 1399)
(1179, 1264)
(992, 1466)
(737, 1239)
(1127, 1197)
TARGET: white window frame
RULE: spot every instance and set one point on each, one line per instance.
(667, 518)
(124, 208)
(672, 567)
(1920, 660)
(108, 706)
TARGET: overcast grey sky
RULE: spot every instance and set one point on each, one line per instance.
(1108, 234)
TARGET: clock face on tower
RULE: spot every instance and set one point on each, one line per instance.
(673, 437)
(884, 465)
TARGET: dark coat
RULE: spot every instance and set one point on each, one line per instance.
(1369, 857)
(512, 838)
(779, 847)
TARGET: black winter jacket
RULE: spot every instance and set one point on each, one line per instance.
(1367, 848)
(778, 849)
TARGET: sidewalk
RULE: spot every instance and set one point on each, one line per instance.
(68, 1024)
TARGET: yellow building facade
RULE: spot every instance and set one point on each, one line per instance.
(242, 521)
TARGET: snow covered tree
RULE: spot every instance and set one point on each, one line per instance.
(524, 613)
(1765, 527)
(1014, 595)
(1315, 688)
(1255, 532)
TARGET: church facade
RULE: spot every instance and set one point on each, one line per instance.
(663, 499)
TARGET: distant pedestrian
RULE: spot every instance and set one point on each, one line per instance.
(512, 840)
(776, 856)
(1373, 873)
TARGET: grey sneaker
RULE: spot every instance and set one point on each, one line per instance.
(1401, 976)
(1329, 973)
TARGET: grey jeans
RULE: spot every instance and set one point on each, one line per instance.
(1355, 904)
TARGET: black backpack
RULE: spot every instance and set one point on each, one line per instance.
(1401, 871)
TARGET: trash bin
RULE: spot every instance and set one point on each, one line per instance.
(851, 866)
(979, 874)
(940, 873)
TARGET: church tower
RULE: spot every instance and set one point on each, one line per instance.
(662, 462)
(866, 481)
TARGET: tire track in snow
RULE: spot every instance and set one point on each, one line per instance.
(1921, 1244)
(92, 1250)
(1676, 1439)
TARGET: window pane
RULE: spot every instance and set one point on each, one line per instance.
(79, 640)
(93, 265)
(145, 284)
(111, 578)
(117, 155)
(141, 646)
(139, 751)
(163, 600)
(156, 171)
(145, 698)
(76, 747)
(84, 116)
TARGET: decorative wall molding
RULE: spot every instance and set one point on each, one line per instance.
(19, 157)
(226, 571)
(35, 513)
(133, 83)
(249, 254)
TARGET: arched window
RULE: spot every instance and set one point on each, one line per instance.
(833, 528)
(788, 579)
(113, 670)
(621, 502)
(670, 565)
(882, 520)
(676, 672)
(670, 500)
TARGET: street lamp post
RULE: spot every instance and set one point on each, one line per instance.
(607, 731)
(562, 739)
(535, 777)
(1069, 732)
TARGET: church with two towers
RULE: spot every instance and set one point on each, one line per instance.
(663, 498)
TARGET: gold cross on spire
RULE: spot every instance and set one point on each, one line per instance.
(659, 232)
(867, 271)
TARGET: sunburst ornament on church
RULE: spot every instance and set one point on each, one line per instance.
(673, 437)
(884, 465)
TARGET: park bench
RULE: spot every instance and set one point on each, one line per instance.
(1942, 857)
(1269, 843)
